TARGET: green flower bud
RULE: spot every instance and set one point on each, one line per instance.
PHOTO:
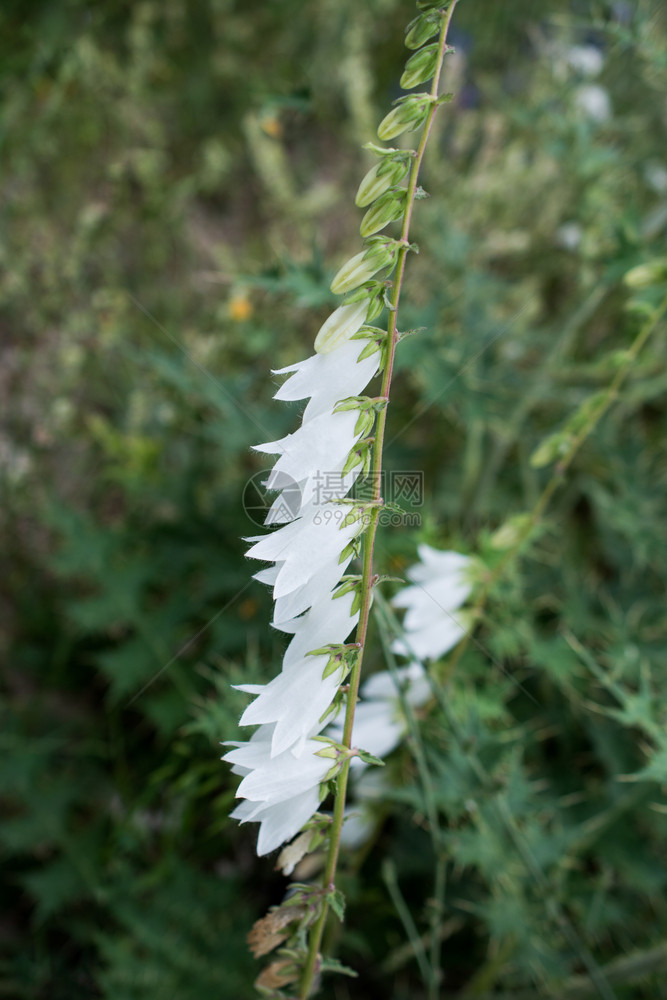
(645, 275)
(509, 534)
(420, 67)
(384, 175)
(386, 209)
(378, 255)
(408, 115)
(421, 29)
(552, 448)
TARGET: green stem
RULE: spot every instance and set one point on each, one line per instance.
(437, 903)
(310, 967)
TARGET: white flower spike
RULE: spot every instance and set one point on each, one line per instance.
(283, 773)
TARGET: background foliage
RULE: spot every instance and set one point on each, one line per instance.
(178, 190)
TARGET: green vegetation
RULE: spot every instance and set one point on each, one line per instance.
(178, 190)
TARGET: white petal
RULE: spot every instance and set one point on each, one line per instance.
(328, 378)
(295, 700)
(319, 447)
(280, 822)
(306, 546)
(268, 575)
(329, 621)
(282, 777)
(383, 685)
(434, 641)
(303, 597)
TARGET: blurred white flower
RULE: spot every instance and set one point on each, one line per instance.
(361, 818)
(379, 720)
(576, 60)
(593, 100)
(586, 60)
(568, 236)
(656, 176)
(440, 585)
(433, 623)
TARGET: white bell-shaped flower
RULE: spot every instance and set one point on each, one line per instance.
(433, 623)
(306, 546)
(280, 793)
(327, 378)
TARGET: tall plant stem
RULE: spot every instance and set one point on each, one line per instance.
(310, 967)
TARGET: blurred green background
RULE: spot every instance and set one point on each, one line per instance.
(178, 183)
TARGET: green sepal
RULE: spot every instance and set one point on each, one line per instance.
(333, 664)
(333, 965)
(343, 660)
(369, 290)
(359, 455)
(331, 751)
(350, 581)
(364, 423)
(373, 147)
(368, 758)
(350, 550)
(350, 403)
(377, 341)
(336, 901)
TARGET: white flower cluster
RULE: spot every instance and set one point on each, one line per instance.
(285, 764)
(433, 624)
(440, 585)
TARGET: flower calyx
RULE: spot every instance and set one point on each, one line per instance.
(351, 584)
(376, 340)
(361, 454)
(368, 408)
(341, 656)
